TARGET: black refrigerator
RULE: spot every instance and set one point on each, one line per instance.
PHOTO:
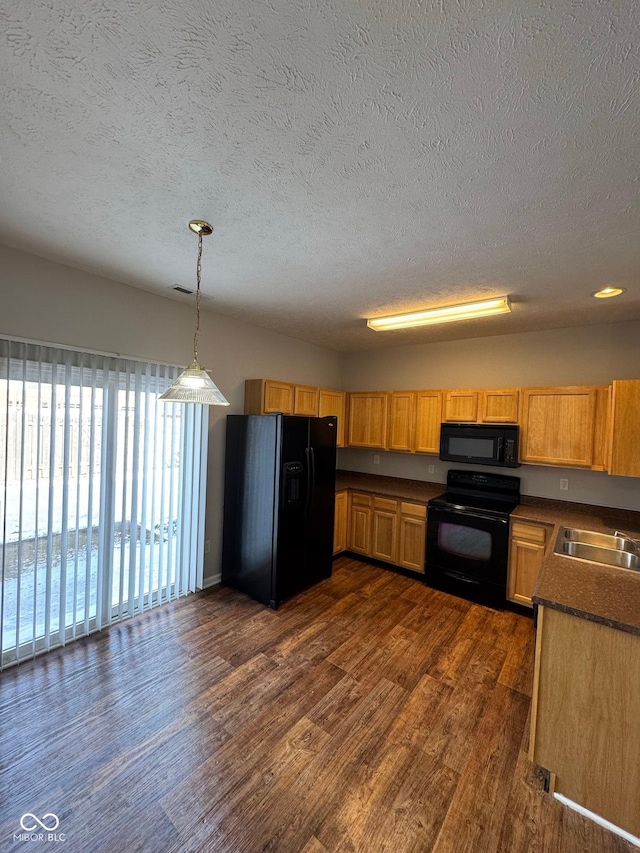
(279, 498)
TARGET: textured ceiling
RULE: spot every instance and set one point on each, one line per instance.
(355, 158)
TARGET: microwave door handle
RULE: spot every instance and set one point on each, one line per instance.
(500, 442)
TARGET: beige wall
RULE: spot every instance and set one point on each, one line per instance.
(44, 301)
(584, 355)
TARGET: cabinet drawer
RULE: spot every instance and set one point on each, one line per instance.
(417, 510)
(385, 503)
(529, 532)
(360, 500)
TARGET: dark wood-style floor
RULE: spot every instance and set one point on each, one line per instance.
(369, 714)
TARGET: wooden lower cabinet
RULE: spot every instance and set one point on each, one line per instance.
(387, 529)
(526, 553)
(413, 531)
(340, 522)
(585, 714)
(384, 541)
(359, 527)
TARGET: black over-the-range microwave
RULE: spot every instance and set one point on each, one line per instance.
(479, 444)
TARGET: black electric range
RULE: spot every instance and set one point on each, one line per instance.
(468, 535)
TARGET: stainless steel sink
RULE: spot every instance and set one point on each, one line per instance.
(603, 540)
(619, 551)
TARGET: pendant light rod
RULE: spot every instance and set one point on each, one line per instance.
(194, 385)
(202, 229)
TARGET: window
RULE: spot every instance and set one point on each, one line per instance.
(102, 494)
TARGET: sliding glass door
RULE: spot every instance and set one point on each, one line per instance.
(102, 494)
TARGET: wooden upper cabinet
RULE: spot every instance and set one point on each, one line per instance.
(624, 429)
(401, 420)
(428, 406)
(461, 406)
(265, 396)
(333, 403)
(601, 429)
(368, 419)
(305, 400)
(558, 426)
(278, 397)
(499, 406)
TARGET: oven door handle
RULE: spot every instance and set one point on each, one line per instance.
(468, 514)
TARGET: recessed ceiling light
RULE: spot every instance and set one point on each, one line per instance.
(467, 311)
(608, 291)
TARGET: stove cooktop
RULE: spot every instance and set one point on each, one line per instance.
(470, 503)
(475, 491)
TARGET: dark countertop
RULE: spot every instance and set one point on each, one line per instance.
(591, 591)
(393, 487)
(603, 594)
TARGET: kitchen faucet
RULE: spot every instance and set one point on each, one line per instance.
(636, 542)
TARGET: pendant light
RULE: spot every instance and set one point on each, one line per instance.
(194, 385)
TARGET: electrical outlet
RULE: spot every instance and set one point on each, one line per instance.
(431, 469)
(564, 485)
(376, 458)
(207, 546)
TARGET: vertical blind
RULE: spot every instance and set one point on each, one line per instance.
(102, 494)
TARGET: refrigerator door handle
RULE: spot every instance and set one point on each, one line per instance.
(311, 478)
(307, 459)
(313, 473)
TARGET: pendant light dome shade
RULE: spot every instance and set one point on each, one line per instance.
(194, 385)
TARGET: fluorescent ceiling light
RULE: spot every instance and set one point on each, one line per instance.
(608, 291)
(467, 311)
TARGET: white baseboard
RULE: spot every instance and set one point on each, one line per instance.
(597, 819)
(212, 581)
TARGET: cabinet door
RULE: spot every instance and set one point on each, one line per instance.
(461, 406)
(384, 544)
(305, 400)
(278, 397)
(340, 523)
(428, 420)
(359, 533)
(584, 714)
(368, 419)
(558, 426)
(413, 530)
(333, 403)
(601, 431)
(401, 420)
(499, 406)
(526, 553)
(624, 429)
